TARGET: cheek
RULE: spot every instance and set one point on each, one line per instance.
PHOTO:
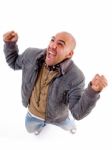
(61, 51)
(60, 54)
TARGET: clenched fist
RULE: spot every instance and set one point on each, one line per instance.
(98, 83)
(10, 37)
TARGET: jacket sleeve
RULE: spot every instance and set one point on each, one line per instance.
(82, 101)
(13, 59)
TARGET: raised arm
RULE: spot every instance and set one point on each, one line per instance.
(13, 59)
(81, 101)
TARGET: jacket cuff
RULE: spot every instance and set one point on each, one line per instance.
(10, 44)
(91, 92)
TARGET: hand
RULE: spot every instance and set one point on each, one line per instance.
(98, 83)
(10, 37)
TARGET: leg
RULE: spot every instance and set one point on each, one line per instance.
(33, 124)
(68, 124)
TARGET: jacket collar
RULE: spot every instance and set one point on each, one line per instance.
(63, 66)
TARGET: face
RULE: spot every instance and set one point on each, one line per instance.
(59, 49)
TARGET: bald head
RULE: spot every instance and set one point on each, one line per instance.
(69, 38)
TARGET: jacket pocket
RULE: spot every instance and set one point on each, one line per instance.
(65, 97)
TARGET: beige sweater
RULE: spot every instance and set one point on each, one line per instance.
(39, 95)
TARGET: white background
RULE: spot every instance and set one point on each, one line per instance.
(90, 21)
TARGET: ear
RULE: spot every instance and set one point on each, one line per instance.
(70, 54)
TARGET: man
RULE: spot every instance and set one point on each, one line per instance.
(51, 83)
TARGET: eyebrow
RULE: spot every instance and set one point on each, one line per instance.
(53, 37)
(62, 41)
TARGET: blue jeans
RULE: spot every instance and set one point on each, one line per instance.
(35, 124)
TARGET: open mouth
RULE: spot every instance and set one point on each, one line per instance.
(51, 54)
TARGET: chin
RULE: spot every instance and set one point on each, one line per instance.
(49, 63)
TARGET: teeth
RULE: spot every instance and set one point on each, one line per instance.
(51, 53)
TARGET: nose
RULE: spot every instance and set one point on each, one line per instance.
(54, 45)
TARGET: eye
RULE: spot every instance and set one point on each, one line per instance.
(60, 44)
(52, 40)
